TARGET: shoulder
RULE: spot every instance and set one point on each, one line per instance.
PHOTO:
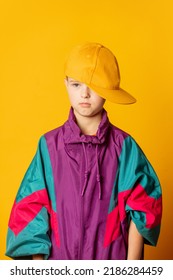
(51, 139)
(123, 140)
(118, 135)
(54, 133)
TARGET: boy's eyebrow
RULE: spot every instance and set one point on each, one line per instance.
(72, 80)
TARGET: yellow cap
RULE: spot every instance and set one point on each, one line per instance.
(97, 67)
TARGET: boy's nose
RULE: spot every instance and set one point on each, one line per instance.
(85, 92)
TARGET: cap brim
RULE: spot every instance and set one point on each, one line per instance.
(119, 95)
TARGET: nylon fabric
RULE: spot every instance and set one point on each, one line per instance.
(84, 190)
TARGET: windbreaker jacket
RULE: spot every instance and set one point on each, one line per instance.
(79, 194)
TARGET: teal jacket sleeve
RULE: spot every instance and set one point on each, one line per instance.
(28, 229)
(140, 195)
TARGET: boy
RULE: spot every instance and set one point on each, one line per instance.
(90, 192)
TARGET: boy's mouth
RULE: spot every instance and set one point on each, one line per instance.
(85, 104)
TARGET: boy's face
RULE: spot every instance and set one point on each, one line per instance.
(84, 101)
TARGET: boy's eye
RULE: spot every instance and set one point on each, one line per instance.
(75, 84)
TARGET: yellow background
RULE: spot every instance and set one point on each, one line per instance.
(36, 37)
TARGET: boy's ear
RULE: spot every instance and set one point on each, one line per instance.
(65, 81)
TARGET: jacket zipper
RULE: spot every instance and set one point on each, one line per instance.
(81, 226)
(81, 236)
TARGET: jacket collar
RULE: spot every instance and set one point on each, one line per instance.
(73, 134)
